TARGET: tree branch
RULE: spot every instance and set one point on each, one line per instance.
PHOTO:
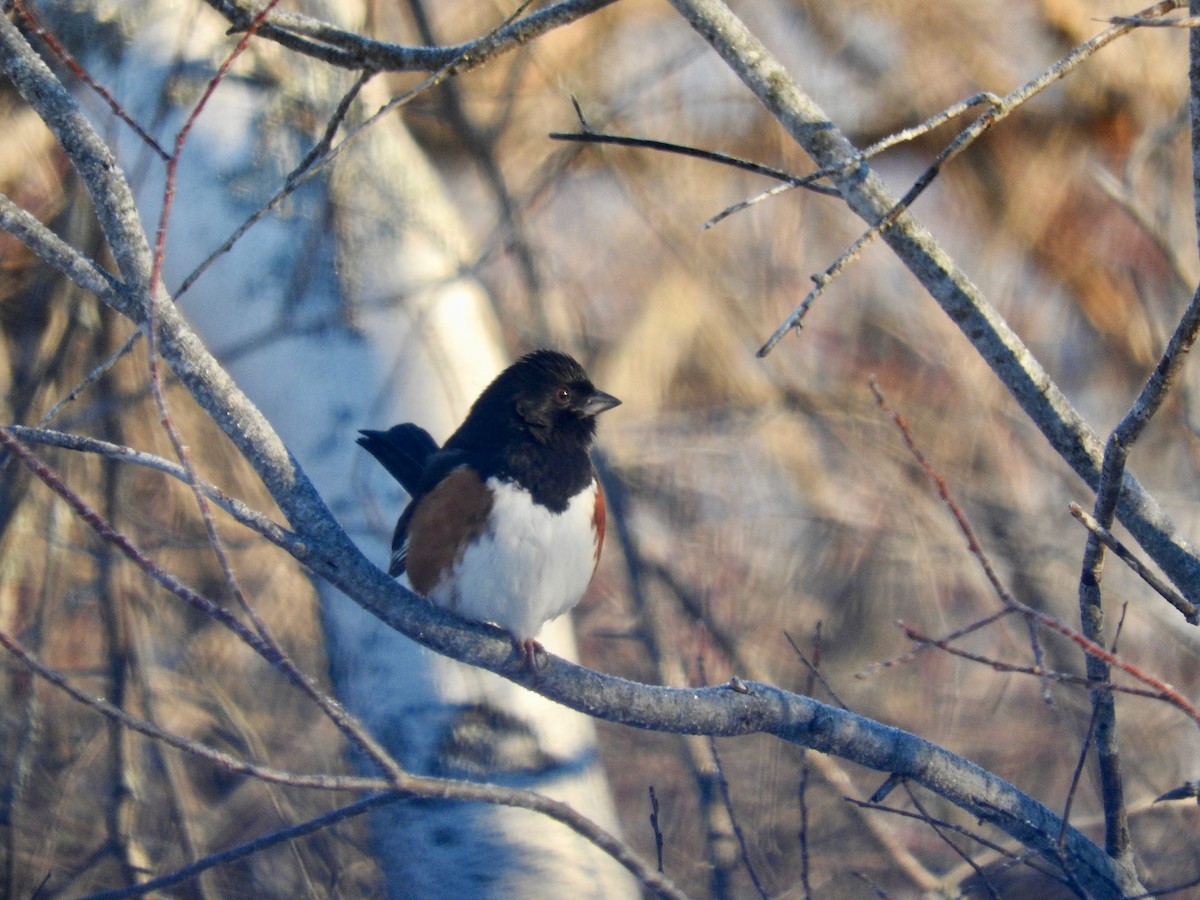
(866, 194)
(348, 50)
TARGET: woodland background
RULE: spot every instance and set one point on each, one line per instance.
(767, 510)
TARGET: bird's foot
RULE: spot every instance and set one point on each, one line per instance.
(530, 650)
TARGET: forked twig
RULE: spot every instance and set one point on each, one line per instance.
(1127, 556)
(1091, 648)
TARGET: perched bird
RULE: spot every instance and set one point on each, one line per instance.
(506, 521)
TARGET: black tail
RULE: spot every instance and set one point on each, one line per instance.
(403, 450)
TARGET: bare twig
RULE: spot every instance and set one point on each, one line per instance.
(56, 252)
(727, 799)
(943, 832)
(142, 726)
(245, 515)
(233, 854)
(1127, 556)
(960, 142)
(964, 525)
(1091, 647)
(810, 181)
(814, 673)
(899, 137)
(1080, 762)
(1162, 22)
(56, 47)
(1121, 192)
(1011, 858)
(1046, 675)
(658, 835)
(92, 377)
(908, 657)
(348, 50)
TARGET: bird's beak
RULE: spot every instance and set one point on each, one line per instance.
(598, 403)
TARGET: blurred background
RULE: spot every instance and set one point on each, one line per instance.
(761, 502)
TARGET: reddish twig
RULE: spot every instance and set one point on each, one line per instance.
(1036, 671)
(160, 236)
(944, 492)
(56, 47)
(1162, 689)
(282, 661)
(268, 650)
(225, 760)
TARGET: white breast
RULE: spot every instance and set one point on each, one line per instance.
(529, 567)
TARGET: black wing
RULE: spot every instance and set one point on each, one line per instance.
(411, 456)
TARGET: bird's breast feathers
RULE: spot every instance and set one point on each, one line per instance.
(521, 566)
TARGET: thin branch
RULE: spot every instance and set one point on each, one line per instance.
(322, 146)
(55, 252)
(654, 827)
(809, 181)
(233, 854)
(348, 50)
(1189, 610)
(943, 489)
(1037, 671)
(815, 676)
(727, 800)
(1080, 762)
(1121, 192)
(961, 141)
(908, 657)
(198, 749)
(243, 514)
(943, 832)
(1164, 22)
(91, 378)
(1012, 859)
(56, 47)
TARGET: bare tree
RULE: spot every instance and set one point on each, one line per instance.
(770, 520)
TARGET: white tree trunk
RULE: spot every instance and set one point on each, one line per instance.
(371, 250)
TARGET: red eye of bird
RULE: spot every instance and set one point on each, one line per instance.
(562, 395)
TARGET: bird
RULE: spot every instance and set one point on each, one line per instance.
(505, 521)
